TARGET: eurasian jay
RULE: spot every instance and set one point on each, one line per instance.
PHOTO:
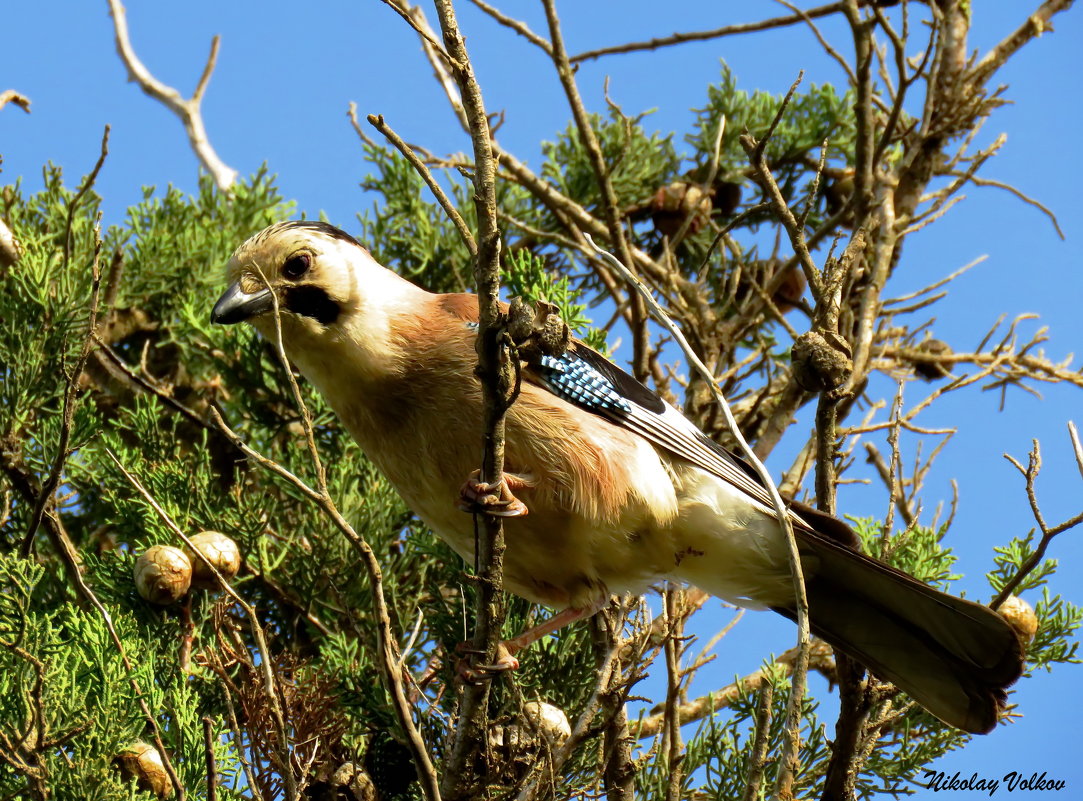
(622, 490)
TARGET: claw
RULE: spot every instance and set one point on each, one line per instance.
(491, 499)
(476, 674)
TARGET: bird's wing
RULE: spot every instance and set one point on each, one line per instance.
(584, 377)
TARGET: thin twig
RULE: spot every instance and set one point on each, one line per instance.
(386, 643)
(699, 36)
(820, 659)
(936, 284)
(518, 26)
(672, 745)
(404, 10)
(151, 719)
(755, 149)
(377, 122)
(876, 459)
(610, 203)
(806, 17)
(1025, 198)
(583, 725)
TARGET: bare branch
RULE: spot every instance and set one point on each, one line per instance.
(497, 373)
(610, 205)
(403, 9)
(936, 284)
(755, 149)
(19, 99)
(757, 758)
(717, 33)
(806, 17)
(187, 110)
(1030, 473)
(671, 734)
(876, 459)
(1025, 198)
(1034, 26)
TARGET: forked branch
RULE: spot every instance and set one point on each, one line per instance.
(187, 109)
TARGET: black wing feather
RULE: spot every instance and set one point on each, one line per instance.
(621, 381)
(648, 415)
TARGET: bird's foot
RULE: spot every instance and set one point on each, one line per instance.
(472, 673)
(492, 499)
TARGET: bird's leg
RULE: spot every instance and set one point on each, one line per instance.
(506, 650)
(493, 499)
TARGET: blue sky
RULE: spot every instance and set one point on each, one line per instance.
(285, 77)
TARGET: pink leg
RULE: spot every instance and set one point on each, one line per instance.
(493, 499)
(506, 651)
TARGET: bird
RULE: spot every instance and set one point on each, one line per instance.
(608, 489)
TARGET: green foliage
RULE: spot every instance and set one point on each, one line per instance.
(1008, 559)
(635, 160)
(1055, 642)
(65, 685)
(719, 752)
(1058, 619)
(813, 117)
(917, 551)
(161, 271)
(409, 231)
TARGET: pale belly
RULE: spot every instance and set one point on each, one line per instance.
(562, 559)
(557, 557)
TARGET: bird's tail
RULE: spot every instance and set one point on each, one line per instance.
(954, 657)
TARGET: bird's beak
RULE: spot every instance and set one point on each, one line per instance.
(236, 305)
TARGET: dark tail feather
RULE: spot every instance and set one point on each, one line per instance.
(954, 657)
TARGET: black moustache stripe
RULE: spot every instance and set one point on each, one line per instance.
(314, 302)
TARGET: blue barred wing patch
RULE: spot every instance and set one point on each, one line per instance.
(572, 379)
(576, 381)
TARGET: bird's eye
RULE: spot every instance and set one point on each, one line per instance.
(296, 266)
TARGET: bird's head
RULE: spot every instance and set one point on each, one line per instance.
(325, 282)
